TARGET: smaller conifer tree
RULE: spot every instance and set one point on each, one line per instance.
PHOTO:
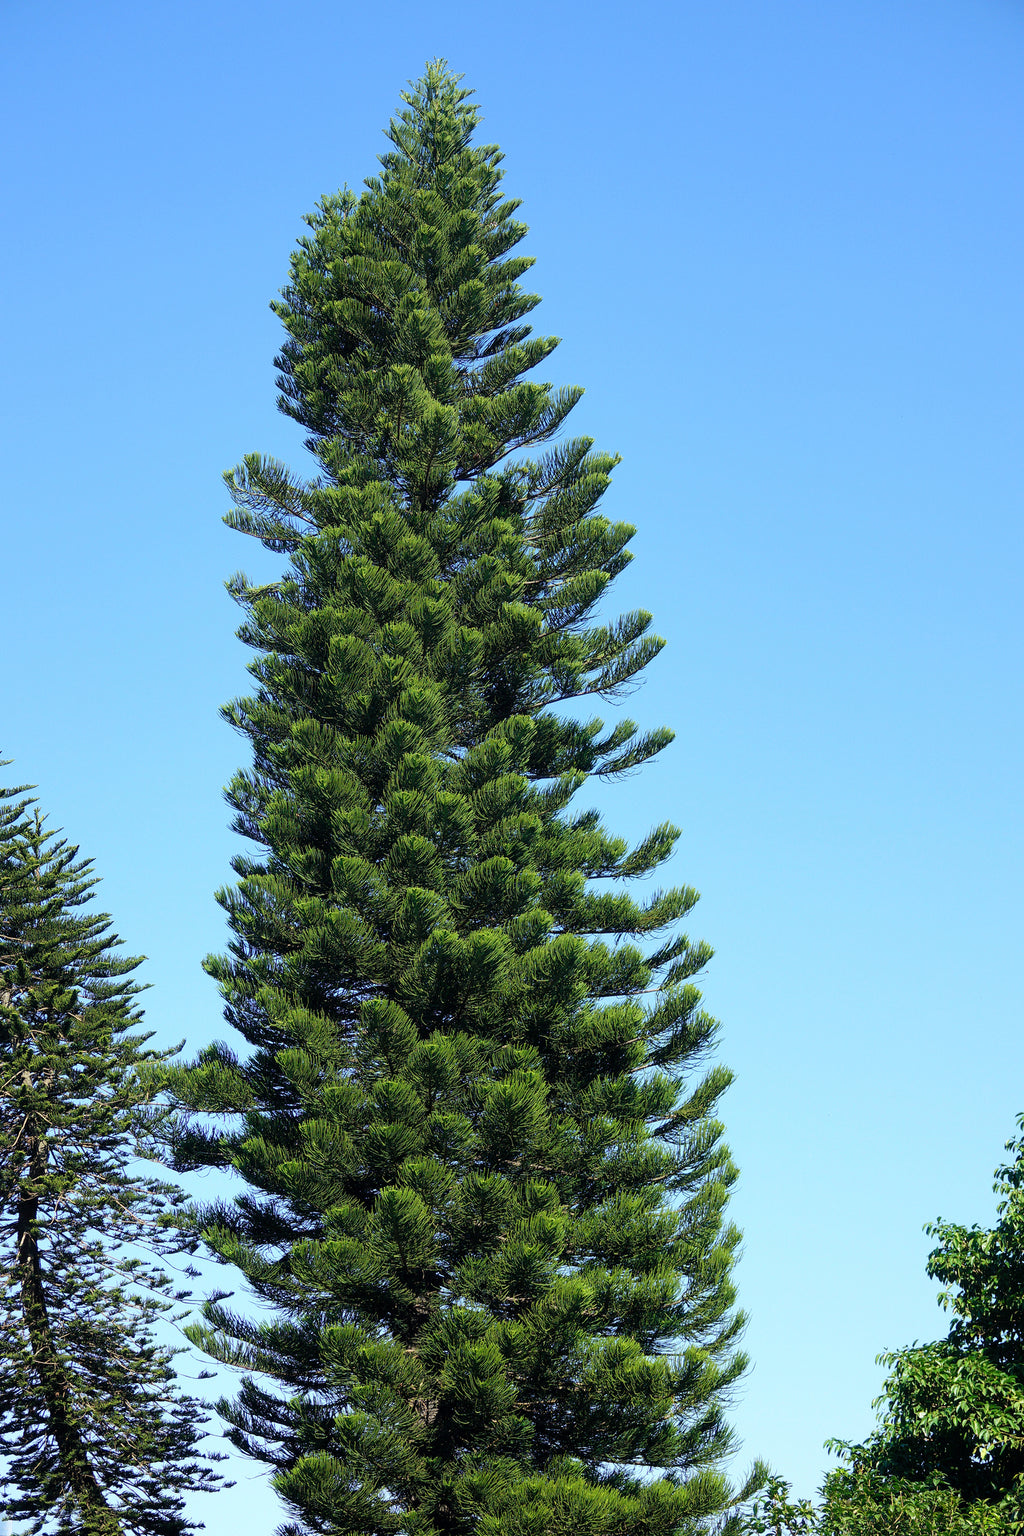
(95, 1435)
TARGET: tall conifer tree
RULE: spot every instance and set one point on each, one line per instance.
(95, 1435)
(486, 1191)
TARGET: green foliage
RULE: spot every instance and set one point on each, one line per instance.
(955, 1414)
(861, 1502)
(954, 1410)
(486, 1191)
(948, 1455)
(96, 1437)
(776, 1512)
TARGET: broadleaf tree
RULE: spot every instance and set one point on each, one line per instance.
(485, 1182)
(96, 1436)
(947, 1457)
(953, 1410)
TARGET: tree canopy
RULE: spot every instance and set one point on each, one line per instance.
(947, 1458)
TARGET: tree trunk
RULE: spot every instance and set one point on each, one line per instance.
(97, 1516)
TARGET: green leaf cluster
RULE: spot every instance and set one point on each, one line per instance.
(954, 1409)
(485, 1182)
(948, 1454)
(858, 1501)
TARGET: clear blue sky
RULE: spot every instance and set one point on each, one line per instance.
(783, 242)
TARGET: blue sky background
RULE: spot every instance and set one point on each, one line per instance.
(783, 243)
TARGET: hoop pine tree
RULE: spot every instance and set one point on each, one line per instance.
(485, 1194)
(95, 1436)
